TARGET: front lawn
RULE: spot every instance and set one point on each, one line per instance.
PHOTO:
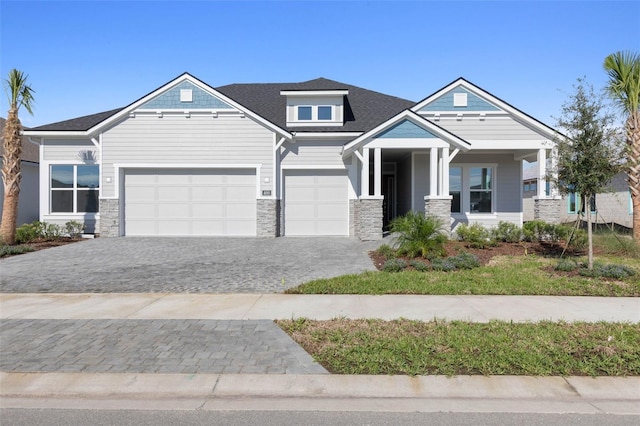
(458, 348)
(505, 275)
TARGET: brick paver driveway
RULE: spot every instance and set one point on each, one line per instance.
(173, 265)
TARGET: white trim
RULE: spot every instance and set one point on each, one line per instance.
(377, 172)
(372, 197)
(314, 92)
(312, 167)
(408, 143)
(510, 144)
(120, 168)
(413, 179)
(324, 135)
(352, 175)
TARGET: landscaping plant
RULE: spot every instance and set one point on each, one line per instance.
(419, 235)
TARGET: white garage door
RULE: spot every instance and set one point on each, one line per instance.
(316, 202)
(190, 202)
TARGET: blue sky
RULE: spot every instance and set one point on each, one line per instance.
(84, 57)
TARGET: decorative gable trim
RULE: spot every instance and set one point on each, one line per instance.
(461, 86)
(407, 115)
(175, 84)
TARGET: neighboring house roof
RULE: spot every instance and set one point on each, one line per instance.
(30, 151)
(364, 109)
(530, 173)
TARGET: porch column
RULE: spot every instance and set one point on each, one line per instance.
(377, 172)
(553, 189)
(364, 181)
(542, 173)
(433, 172)
(444, 191)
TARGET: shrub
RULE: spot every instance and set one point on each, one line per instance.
(475, 235)
(579, 240)
(461, 261)
(74, 229)
(386, 250)
(536, 230)
(51, 231)
(566, 265)
(419, 235)
(394, 265)
(28, 232)
(608, 271)
(419, 266)
(6, 250)
(507, 232)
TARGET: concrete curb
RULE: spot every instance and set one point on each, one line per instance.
(308, 386)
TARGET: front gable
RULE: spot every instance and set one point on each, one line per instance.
(185, 95)
(404, 130)
(459, 99)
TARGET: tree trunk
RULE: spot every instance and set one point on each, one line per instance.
(589, 232)
(11, 163)
(632, 128)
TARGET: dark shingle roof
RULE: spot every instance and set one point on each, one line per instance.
(80, 123)
(364, 109)
(30, 151)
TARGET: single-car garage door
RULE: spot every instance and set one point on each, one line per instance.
(316, 202)
(208, 202)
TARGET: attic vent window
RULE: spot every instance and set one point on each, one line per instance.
(459, 99)
(186, 95)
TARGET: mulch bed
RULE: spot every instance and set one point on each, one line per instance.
(486, 254)
(45, 244)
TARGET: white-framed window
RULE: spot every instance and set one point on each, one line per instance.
(472, 188)
(574, 203)
(314, 112)
(74, 188)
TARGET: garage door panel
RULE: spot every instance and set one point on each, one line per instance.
(316, 202)
(212, 202)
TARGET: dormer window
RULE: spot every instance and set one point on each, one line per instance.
(315, 107)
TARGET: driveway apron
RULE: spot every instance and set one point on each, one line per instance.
(183, 265)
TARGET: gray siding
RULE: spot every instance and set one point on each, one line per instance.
(29, 198)
(492, 128)
(317, 153)
(198, 140)
(420, 180)
(59, 150)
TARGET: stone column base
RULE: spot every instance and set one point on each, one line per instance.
(439, 207)
(547, 209)
(368, 218)
(268, 218)
(109, 218)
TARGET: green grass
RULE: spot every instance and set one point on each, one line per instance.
(459, 348)
(6, 250)
(512, 275)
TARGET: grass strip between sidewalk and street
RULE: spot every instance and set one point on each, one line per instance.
(505, 275)
(409, 347)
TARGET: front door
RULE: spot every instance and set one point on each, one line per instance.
(389, 202)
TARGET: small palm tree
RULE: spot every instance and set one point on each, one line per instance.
(419, 235)
(20, 95)
(623, 69)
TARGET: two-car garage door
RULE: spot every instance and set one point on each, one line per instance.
(207, 202)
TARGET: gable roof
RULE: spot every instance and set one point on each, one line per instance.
(30, 151)
(78, 124)
(412, 116)
(517, 114)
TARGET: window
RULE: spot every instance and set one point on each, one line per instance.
(304, 113)
(471, 188)
(575, 203)
(480, 192)
(74, 188)
(455, 188)
(324, 113)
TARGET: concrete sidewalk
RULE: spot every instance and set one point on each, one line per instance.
(321, 307)
(135, 388)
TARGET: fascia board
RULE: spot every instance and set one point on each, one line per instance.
(314, 92)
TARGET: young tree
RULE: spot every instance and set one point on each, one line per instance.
(623, 69)
(20, 95)
(590, 154)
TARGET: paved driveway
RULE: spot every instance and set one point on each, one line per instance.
(176, 265)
